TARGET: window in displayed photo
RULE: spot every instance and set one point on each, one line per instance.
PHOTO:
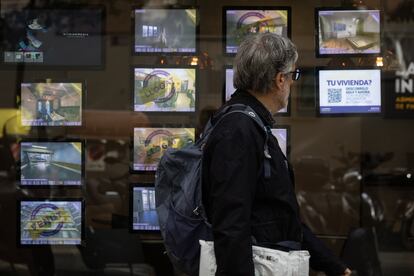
(165, 30)
(151, 143)
(144, 214)
(50, 222)
(53, 37)
(348, 32)
(165, 89)
(354, 91)
(230, 89)
(51, 163)
(51, 104)
(243, 21)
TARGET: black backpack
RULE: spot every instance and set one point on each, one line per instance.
(178, 195)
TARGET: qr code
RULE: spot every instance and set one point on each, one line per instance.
(334, 95)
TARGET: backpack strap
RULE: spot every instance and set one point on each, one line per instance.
(247, 110)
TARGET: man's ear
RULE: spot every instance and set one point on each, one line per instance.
(280, 80)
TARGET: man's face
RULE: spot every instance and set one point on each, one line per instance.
(288, 83)
(283, 93)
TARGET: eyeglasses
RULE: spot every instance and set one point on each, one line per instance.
(295, 74)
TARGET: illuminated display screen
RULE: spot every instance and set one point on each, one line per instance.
(144, 214)
(165, 30)
(348, 32)
(240, 23)
(349, 91)
(51, 222)
(281, 135)
(151, 143)
(51, 163)
(54, 37)
(51, 104)
(165, 89)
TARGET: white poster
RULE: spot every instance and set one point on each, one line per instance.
(350, 91)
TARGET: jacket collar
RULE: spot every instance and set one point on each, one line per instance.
(244, 97)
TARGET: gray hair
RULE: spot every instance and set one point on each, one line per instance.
(259, 58)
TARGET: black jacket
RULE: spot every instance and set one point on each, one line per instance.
(241, 203)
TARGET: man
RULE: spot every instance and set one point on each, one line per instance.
(243, 206)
